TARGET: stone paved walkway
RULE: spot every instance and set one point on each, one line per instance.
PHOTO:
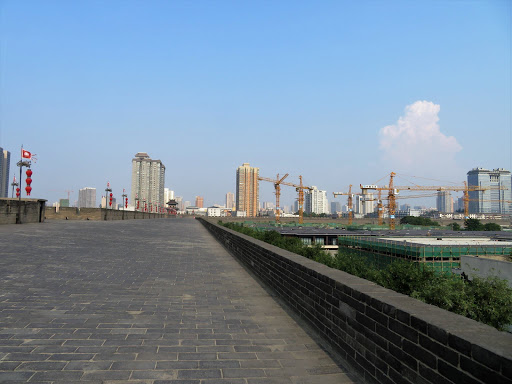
(142, 301)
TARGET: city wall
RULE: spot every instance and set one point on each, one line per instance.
(386, 336)
(32, 210)
(72, 213)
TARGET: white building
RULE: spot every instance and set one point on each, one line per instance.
(179, 200)
(357, 204)
(148, 177)
(215, 212)
(168, 195)
(368, 203)
(87, 198)
(315, 201)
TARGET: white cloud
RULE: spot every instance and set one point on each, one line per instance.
(415, 142)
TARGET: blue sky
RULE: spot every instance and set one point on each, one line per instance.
(305, 88)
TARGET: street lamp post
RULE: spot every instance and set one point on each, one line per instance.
(13, 184)
(21, 164)
(107, 190)
(124, 196)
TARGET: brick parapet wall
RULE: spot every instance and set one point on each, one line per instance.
(386, 336)
(32, 210)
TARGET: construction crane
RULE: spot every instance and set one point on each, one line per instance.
(277, 185)
(69, 193)
(298, 187)
(350, 208)
(380, 206)
(394, 190)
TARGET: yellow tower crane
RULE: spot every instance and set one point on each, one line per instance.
(349, 203)
(298, 187)
(394, 190)
(277, 185)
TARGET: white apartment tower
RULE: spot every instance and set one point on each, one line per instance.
(247, 190)
(148, 177)
(87, 198)
(168, 195)
(368, 203)
(315, 201)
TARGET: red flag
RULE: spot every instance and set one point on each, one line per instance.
(26, 154)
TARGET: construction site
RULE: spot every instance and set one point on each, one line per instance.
(381, 239)
(440, 254)
(390, 193)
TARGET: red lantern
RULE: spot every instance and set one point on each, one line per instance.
(18, 192)
(110, 202)
(126, 203)
(137, 205)
(29, 181)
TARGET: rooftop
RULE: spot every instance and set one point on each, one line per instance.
(472, 241)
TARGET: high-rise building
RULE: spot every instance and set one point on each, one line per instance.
(106, 203)
(199, 201)
(230, 200)
(493, 200)
(87, 198)
(295, 207)
(64, 203)
(179, 200)
(148, 177)
(168, 195)
(405, 207)
(5, 161)
(357, 204)
(460, 204)
(247, 190)
(335, 207)
(268, 205)
(368, 203)
(315, 201)
(444, 202)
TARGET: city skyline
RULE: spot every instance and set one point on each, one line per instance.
(420, 88)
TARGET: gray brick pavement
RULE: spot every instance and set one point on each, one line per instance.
(143, 302)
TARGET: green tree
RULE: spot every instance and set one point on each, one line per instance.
(473, 225)
(413, 220)
(455, 227)
(492, 227)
